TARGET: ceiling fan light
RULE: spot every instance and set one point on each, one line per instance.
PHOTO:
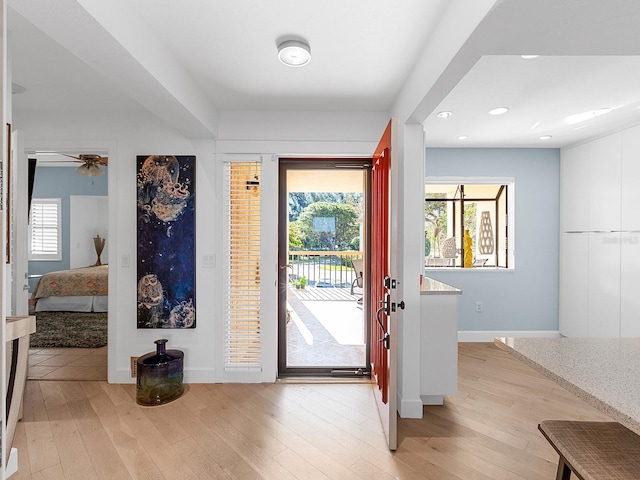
(294, 53)
(89, 170)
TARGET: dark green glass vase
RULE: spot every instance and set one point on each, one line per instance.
(160, 375)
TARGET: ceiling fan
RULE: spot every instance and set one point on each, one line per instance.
(90, 164)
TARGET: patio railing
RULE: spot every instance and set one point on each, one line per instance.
(324, 269)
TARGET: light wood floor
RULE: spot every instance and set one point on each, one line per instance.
(93, 430)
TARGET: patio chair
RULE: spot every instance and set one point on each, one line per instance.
(358, 281)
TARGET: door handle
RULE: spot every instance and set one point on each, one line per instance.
(289, 265)
(385, 334)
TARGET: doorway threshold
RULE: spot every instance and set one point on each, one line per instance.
(323, 379)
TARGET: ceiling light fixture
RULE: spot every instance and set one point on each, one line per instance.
(545, 137)
(89, 170)
(498, 111)
(294, 53)
(444, 114)
(529, 57)
(462, 137)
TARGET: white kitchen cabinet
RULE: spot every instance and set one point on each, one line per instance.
(603, 189)
(574, 284)
(438, 341)
(574, 181)
(630, 284)
(630, 179)
(604, 285)
(599, 180)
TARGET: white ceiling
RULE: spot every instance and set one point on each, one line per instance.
(188, 61)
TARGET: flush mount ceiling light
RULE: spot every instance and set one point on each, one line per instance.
(529, 57)
(545, 137)
(294, 53)
(462, 137)
(498, 111)
(444, 114)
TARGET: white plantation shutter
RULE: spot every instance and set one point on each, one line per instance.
(242, 266)
(45, 229)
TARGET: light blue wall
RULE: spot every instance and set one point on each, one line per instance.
(63, 182)
(525, 298)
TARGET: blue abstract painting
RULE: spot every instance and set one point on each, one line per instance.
(166, 205)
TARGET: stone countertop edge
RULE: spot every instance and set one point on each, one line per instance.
(614, 413)
(434, 287)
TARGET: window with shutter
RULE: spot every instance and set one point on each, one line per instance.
(45, 230)
(242, 266)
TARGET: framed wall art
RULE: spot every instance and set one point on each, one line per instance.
(166, 204)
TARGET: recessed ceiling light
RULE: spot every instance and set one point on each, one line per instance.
(498, 111)
(444, 114)
(545, 137)
(462, 137)
(294, 53)
(529, 57)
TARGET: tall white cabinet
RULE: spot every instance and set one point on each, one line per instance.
(600, 237)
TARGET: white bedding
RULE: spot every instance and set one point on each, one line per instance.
(73, 303)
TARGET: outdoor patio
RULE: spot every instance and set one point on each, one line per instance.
(325, 328)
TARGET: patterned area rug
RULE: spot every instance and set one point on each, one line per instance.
(70, 330)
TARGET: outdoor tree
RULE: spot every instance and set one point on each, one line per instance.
(295, 236)
(328, 226)
(435, 216)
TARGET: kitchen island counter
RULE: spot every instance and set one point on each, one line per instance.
(605, 372)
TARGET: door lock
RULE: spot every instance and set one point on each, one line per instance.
(385, 340)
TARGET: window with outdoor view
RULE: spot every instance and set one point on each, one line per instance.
(467, 224)
(45, 239)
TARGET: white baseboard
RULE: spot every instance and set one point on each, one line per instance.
(204, 375)
(432, 399)
(409, 408)
(488, 336)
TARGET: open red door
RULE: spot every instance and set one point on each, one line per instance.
(384, 336)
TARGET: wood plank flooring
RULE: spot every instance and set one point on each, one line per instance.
(93, 430)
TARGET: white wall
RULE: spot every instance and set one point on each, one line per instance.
(89, 217)
(524, 299)
(128, 134)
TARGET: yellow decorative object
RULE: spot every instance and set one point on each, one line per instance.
(468, 252)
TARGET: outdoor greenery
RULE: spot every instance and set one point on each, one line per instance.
(436, 222)
(324, 221)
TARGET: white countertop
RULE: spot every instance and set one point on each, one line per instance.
(605, 372)
(434, 287)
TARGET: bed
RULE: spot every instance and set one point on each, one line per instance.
(76, 290)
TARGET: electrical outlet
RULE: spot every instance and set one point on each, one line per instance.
(134, 367)
(478, 307)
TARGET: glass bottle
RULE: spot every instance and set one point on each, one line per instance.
(160, 375)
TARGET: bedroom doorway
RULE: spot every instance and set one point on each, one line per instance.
(71, 336)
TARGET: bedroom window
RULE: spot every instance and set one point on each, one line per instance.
(45, 239)
(242, 308)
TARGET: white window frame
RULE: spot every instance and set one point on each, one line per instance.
(41, 255)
